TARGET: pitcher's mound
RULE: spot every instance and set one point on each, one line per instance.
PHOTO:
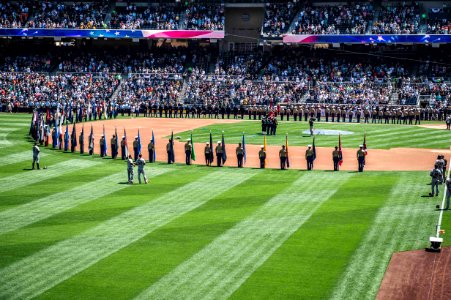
(418, 275)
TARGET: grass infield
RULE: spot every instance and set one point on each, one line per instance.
(76, 231)
(378, 136)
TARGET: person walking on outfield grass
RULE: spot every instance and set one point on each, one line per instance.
(262, 157)
(336, 158)
(36, 152)
(283, 157)
(188, 150)
(361, 158)
(240, 155)
(130, 171)
(218, 151)
(140, 162)
(311, 124)
(436, 176)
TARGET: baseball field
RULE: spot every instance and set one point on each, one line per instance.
(77, 230)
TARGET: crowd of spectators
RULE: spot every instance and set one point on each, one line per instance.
(30, 88)
(342, 19)
(204, 16)
(13, 14)
(26, 63)
(398, 18)
(56, 14)
(278, 17)
(142, 17)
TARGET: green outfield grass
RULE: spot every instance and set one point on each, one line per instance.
(76, 231)
(378, 136)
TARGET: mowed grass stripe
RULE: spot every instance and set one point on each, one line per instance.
(23, 215)
(4, 139)
(392, 230)
(31, 177)
(222, 266)
(18, 158)
(45, 269)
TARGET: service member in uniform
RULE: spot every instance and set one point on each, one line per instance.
(113, 147)
(240, 155)
(336, 158)
(141, 163)
(207, 152)
(283, 157)
(168, 151)
(135, 148)
(36, 152)
(448, 193)
(81, 142)
(436, 178)
(151, 149)
(219, 151)
(102, 146)
(309, 157)
(262, 157)
(361, 158)
(123, 154)
(130, 171)
(188, 149)
(311, 123)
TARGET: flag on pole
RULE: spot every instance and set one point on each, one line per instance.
(125, 144)
(104, 144)
(171, 148)
(340, 151)
(193, 153)
(286, 148)
(66, 138)
(139, 142)
(364, 144)
(116, 143)
(211, 148)
(153, 143)
(243, 143)
(224, 154)
(314, 148)
(57, 133)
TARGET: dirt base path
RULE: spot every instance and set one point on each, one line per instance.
(417, 275)
(399, 159)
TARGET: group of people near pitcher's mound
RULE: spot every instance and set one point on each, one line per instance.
(438, 176)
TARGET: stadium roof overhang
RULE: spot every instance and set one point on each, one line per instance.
(112, 33)
(368, 39)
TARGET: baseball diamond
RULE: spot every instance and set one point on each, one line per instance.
(225, 149)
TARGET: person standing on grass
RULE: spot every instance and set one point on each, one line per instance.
(140, 162)
(151, 149)
(336, 158)
(283, 157)
(448, 123)
(207, 152)
(361, 158)
(309, 157)
(36, 152)
(188, 150)
(447, 193)
(240, 155)
(436, 176)
(262, 157)
(311, 124)
(218, 151)
(102, 146)
(130, 171)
